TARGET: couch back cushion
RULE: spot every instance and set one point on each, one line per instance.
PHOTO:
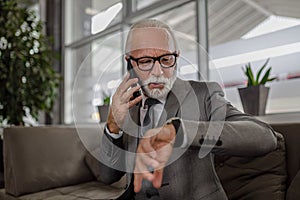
(39, 158)
(293, 193)
(258, 178)
(291, 133)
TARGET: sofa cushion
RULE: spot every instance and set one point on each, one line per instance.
(95, 166)
(85, 191)
(293, 193)
(256, 178)
(40, 158)
(291, 133)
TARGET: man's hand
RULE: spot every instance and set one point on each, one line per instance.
(121, 102)
(153, 152)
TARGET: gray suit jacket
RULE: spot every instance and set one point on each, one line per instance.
(206, 118)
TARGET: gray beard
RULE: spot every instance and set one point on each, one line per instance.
(159, 93)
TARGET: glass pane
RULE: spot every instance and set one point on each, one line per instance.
(87, 17)
(144, 3)
(183, 22)
(240, 33)
(92, 73)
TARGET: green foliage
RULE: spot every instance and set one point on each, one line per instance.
(252, 81)
(106, 100)
(27, 77)
(106, 97)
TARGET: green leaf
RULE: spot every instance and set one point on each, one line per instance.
(40, 90)
(250, 75)
(106, 100)
(251, 81)
(266, 77)
(260, 71)
(272, 79)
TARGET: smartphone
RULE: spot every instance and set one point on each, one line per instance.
(133, 75)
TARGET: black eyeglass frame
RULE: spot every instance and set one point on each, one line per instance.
(155, 59)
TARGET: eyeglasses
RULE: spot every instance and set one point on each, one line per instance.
(147, 63)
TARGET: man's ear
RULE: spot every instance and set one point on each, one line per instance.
(126, 57)
(178, 54)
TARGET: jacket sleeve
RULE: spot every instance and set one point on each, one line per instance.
(228, 131)
(112, 159)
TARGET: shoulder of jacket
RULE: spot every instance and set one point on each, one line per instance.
(205, 85)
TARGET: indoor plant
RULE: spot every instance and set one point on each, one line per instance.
(29, 83)
(103, 109)
(254, 96)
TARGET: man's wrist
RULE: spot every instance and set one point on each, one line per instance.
(112, 125)
(113, 128)
(113, 135)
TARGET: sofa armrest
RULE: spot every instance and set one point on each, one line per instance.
(259, 178)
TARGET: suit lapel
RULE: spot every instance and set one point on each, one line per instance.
(174, 100)
(132, 129)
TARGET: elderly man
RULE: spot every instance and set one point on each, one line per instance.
(163, 131)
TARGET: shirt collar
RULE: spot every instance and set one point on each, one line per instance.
(162, 100)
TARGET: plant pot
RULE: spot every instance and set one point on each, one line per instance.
(103, 112)
(254, 99)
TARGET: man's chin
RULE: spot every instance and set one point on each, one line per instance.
(156, 93)
(159, 89)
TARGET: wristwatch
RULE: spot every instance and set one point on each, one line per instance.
(181, 137)
(175, 121)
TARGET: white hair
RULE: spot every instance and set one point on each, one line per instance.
(151, 23)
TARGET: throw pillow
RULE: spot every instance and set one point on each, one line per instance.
(247, 178)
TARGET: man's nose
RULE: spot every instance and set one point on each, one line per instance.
(156, 70)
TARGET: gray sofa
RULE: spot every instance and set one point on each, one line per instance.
(52, 163)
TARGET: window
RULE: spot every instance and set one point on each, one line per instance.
(88, 17)
(144, 3)
(183, 22)
(92, 71)
(93, 47)
(242, 32)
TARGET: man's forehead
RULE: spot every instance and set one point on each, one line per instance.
(149, 52)
(150, 38)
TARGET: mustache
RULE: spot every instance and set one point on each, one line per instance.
(154, 79)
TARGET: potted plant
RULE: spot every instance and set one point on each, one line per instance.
(29, 84)
(254, 96)
(103, 109)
